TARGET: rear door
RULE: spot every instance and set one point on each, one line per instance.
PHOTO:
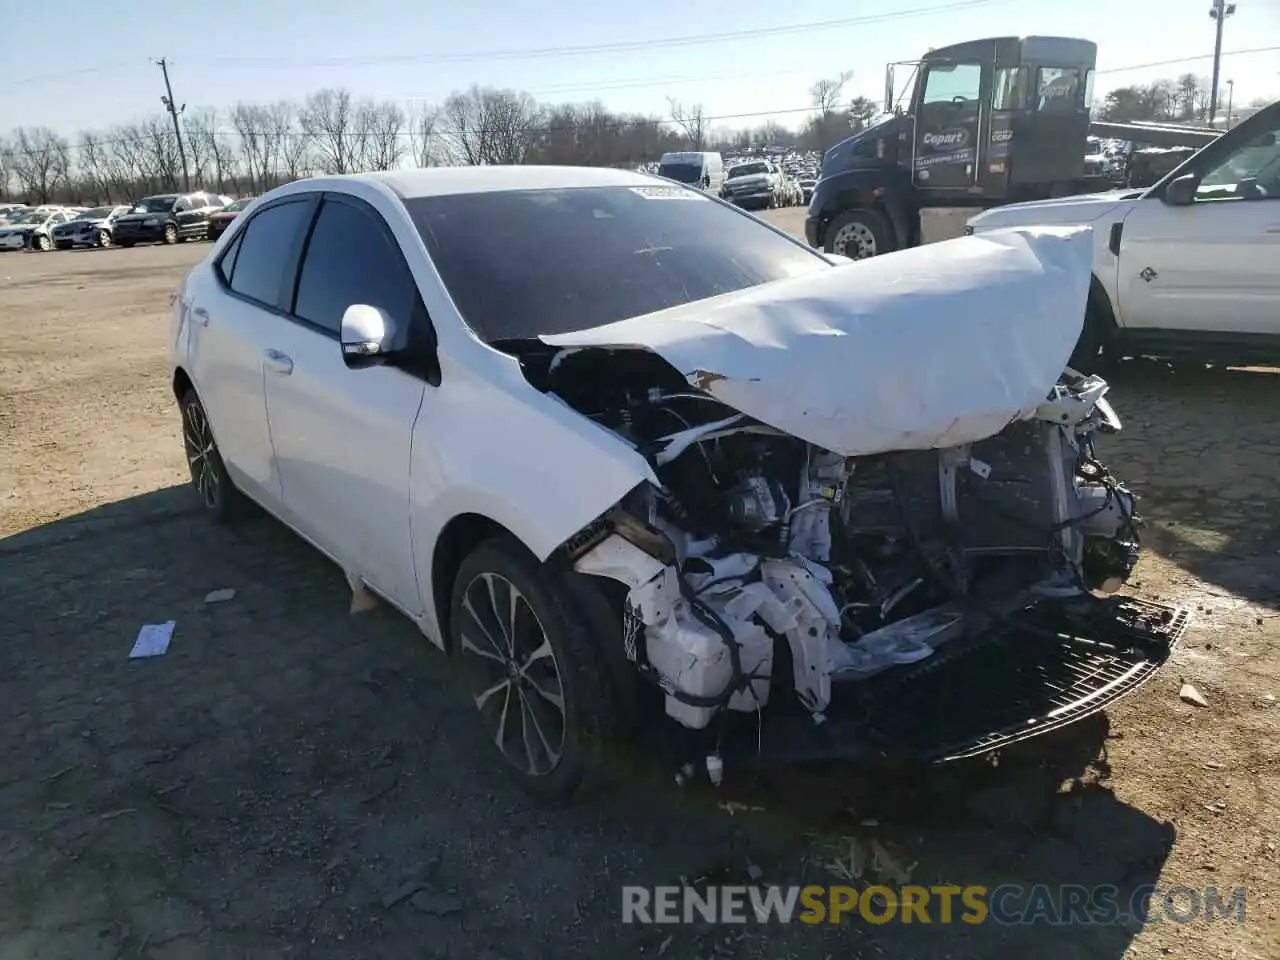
(233, 314)
(343, 437)
(947, 120)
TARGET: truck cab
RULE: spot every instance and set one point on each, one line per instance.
(986, 122)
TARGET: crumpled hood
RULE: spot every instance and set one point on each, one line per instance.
(926, 348)
(1085, 208)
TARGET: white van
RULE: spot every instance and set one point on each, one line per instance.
(702, 170)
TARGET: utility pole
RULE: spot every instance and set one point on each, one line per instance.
(1218, 13)
(163, 64)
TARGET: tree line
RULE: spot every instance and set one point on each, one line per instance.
(1183, 99)
(251, 147)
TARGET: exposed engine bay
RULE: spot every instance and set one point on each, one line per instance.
(765, 570)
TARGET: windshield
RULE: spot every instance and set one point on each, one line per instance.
(748, 169)
(97, 213)
(155, 204)
(578, 258)
(684, 171)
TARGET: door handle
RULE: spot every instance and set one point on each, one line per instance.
(278, 362)
(200, 316)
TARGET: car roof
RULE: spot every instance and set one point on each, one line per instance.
(440, 181)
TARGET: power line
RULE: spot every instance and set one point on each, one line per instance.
(620, 123)
(1177, 60)
(534, 53)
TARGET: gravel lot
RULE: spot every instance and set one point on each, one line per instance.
(263, 789)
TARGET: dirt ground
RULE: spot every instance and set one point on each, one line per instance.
(268, 787)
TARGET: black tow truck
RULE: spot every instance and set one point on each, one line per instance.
(986, 122)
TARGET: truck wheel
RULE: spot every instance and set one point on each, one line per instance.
(858, 234)
(1090, 354)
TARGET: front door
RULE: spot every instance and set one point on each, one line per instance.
(947, 119)
(1211, 266)
(342, 437)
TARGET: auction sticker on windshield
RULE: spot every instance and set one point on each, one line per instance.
(668, 193)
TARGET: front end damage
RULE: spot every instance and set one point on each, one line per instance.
(894, 598)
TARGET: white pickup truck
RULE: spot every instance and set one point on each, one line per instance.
(1189, 268)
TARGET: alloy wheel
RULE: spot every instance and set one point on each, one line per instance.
(855, 241)
(516, 681)
(104, 238)
(170, 234)
(202, 455)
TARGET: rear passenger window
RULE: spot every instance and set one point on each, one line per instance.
(227, 264)
(351, 259)
(265, 253)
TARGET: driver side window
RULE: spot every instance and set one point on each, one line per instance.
(1250, 172)
(953, 83)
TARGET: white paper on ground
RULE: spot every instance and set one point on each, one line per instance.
(925, 348)
(153, 639)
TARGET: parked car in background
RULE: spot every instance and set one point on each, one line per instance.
(8, 211)
(700, 169)
(168, 218)
(806, 189)
(755, 184)
(32, 230)
(220, 220)
(92, 228)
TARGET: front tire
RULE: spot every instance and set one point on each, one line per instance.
(170, 234)
(104, 238)
(41, 243)
(533, 667)
(859, 234)
(219, 497)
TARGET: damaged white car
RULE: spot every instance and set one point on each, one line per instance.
(644, 464)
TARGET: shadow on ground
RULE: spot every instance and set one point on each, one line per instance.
(270, 785)
(1200, 445)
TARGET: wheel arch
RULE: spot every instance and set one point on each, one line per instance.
(181, 383)
(458, 538)
(1098, 308)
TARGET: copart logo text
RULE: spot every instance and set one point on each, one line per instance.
(947, 139)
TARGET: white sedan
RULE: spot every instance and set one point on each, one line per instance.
(645, 464)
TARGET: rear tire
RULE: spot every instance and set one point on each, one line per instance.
(528, 654)
(859, 234)
(218, 495)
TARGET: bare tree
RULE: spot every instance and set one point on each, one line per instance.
(294, 142)
(328, 118)
(691, 119)
(488, 126)
(93, 165)
(216, 150)
(41, 161)
(6, 167)
(827, 94)
(380, 127)
(423, 135)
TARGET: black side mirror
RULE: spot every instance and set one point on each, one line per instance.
(1182, 191)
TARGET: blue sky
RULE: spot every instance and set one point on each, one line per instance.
(98, 53)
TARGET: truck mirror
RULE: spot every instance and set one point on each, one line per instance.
(1182, 191)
